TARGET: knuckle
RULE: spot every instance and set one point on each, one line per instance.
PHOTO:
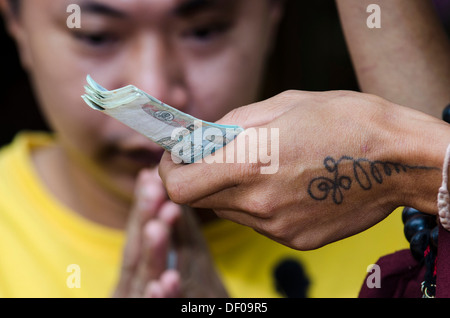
(175, 190)
(220, 213)
(248, 172)
(289, 93)
(236, 116)
(286, 233)
(292, 95)
(275, 230)
(260, 207)
(264, 202)
(278, 230)
(304, 243)
(244, 171)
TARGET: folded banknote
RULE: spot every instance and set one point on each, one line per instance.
(188, 139)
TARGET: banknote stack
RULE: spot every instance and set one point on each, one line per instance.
(187, 138)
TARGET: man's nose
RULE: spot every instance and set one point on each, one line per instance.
(155, 69)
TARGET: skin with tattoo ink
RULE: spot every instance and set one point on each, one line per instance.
(365, 174)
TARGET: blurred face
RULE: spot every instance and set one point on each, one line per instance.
(204, 57)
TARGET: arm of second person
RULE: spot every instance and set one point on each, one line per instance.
(407, 60)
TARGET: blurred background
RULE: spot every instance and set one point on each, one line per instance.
(311, 54)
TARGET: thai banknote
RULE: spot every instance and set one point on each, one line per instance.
(186, 137)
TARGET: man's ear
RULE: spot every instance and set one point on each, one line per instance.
(14, 26)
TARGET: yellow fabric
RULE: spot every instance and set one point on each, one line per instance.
(40, 240)
(247, 259)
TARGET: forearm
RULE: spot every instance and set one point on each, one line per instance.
(407, 60)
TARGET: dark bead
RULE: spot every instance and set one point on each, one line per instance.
(419, 243)
(417, 223)
(434, 238)
(408, 213)
(446, 114)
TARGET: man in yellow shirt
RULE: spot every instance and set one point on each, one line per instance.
(73, 220)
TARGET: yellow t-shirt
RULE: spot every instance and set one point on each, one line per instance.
(48, 250)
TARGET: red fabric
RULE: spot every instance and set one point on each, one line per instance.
(443, 264)
(401, 276)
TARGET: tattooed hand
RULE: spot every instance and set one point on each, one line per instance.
(346, 161)
(364, 173)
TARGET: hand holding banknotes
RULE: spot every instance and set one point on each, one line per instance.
(346, 161)
(164, 255)
(343, 160)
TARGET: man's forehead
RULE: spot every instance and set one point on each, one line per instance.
(186, 5)
(124, 7)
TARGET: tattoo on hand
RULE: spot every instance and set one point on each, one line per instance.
(365, 172)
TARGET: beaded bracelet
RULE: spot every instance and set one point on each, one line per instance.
(421, 230)
(443, 195)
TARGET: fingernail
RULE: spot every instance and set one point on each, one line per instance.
(170, 212)
(156, 233)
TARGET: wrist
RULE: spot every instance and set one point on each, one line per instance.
(420, 141)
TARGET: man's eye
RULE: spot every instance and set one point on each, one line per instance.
(96, 39)
(208, 32)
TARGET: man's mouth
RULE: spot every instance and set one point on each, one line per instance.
(132, 153)
(144, 156)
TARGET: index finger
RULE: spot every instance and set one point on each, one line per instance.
(186, 184)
